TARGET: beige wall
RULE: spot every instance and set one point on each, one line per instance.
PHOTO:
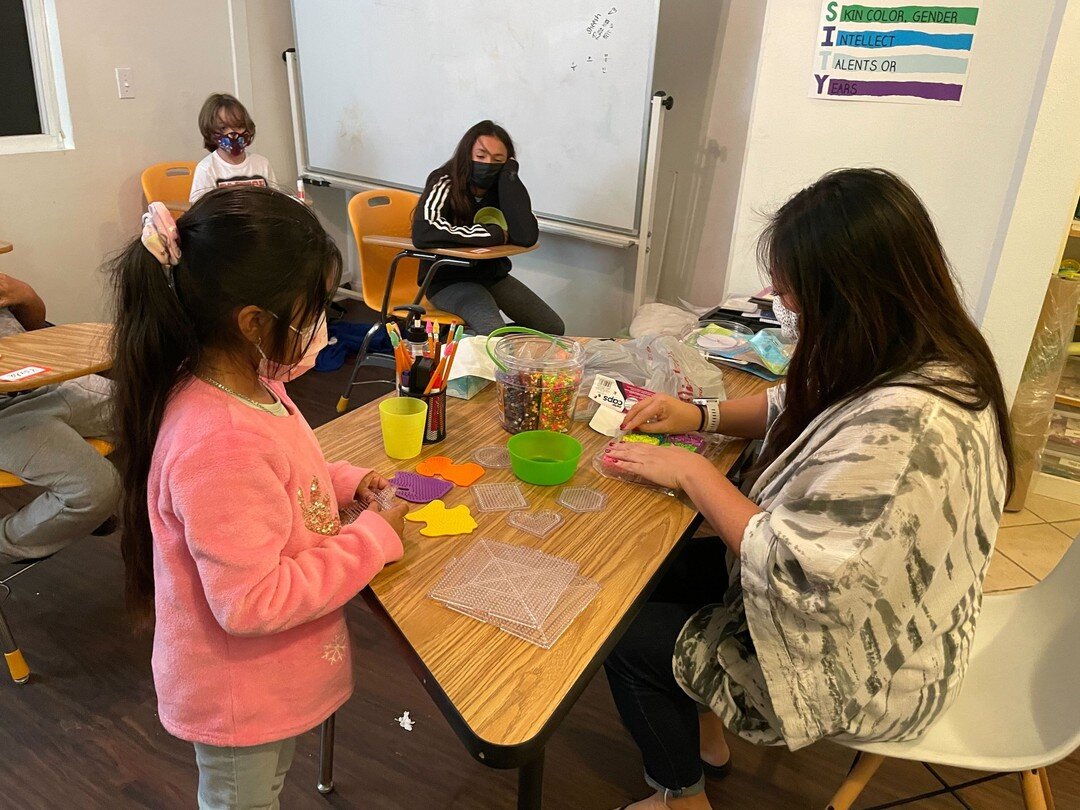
(66, 210)
(269, 32)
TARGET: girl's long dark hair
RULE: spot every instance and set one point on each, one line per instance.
(859, 255)
(459, 167)
(240, 246)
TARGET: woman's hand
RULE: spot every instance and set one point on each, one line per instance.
(395, 517)
(369, 485)
(671, 467)
(663, 414)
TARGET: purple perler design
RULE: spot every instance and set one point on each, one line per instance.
(417, 488)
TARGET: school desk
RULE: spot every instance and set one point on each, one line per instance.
(65, 352)
(504, 697)
(439, 257)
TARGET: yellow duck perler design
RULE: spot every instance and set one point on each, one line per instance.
(442, 521)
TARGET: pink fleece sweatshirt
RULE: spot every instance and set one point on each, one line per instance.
(252, 569)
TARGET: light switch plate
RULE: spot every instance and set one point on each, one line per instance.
(125, 82)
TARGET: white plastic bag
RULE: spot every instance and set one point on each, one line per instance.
(659, 362)
(661, 319)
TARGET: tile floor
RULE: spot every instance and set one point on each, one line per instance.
(1030, 542)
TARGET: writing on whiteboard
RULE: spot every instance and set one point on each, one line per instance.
(592, 63)
(601, 25)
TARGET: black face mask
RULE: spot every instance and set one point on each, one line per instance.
(484, 175)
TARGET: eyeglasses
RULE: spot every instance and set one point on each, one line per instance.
(305, 333)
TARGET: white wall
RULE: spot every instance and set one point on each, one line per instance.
(1045, 201)
(65, 211)
(266, 27)
(709, 156)
(961, 159)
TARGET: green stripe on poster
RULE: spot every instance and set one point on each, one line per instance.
(944, 15)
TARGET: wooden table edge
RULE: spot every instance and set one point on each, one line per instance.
(90, 368)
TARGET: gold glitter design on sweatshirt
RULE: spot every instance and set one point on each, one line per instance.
(319, 513)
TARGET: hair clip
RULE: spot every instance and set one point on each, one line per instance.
(160, 235)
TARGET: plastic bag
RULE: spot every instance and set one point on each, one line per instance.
(765, 353)
(660, 319)
(659, 362)
(1034, 402)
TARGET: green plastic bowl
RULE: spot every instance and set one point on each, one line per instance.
(544, 457)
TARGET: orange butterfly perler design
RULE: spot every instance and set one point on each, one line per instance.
(461, 474)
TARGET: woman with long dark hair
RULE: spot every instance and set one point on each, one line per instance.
(476, 199)
(860, 552)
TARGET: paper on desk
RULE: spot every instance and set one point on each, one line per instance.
(471, 358)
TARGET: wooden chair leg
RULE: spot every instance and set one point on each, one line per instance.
(857, 779)
(1044, 778)
(1031, 785)
(326, 756)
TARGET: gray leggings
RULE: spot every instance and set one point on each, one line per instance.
(248, 778)
(43, 441)
(479, 305)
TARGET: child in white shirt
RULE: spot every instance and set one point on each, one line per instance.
(228, 131)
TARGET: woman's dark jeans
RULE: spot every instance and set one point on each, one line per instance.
(660, 716)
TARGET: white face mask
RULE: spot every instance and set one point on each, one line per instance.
(789, 321)
(314, 338)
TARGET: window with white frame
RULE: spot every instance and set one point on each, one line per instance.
(34, 115)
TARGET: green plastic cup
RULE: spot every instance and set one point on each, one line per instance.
(402, 420)
(544, 457)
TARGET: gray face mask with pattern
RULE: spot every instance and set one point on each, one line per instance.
(789, 321)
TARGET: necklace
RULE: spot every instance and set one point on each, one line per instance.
(260, 405)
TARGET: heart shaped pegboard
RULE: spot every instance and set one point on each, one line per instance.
(540, 523)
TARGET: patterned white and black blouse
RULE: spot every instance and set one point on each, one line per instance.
(853, 604)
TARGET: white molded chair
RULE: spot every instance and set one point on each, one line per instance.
(1018, 710)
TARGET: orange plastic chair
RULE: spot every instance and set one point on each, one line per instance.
(16, 663)
(8, 480)
(169, 183)
(385, 212)
(388, 212)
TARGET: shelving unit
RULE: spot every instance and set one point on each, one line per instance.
(1065, 399)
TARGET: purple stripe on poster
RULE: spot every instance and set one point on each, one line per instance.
(931, 90)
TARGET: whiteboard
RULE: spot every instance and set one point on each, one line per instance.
(388, 87)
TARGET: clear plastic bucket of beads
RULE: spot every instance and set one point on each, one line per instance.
(537, 377)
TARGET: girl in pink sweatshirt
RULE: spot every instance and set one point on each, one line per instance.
(232, 544)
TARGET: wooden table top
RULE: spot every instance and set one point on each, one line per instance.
(496, 252)
(6, 247)
(506, 689)
(68, 351)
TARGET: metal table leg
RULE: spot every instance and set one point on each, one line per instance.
(326, 756)
(531, 784)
